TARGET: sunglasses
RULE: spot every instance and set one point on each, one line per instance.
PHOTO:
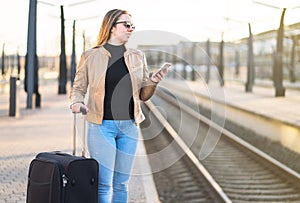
(127, 24)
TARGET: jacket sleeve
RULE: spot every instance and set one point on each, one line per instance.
(80, 83)
(148, 87)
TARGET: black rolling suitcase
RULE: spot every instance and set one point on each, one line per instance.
(57, 177)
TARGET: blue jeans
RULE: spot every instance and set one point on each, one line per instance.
(113, 144)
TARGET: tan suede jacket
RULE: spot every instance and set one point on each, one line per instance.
(90, 76)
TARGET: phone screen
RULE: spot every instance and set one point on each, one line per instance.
(163, 67)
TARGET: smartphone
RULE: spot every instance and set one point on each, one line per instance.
(163, 67)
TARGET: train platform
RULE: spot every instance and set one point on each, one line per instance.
(49, 128)
(276, 118)
(260, 101)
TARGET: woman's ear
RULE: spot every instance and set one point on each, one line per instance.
(112, 29)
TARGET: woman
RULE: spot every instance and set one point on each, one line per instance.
(117, 80)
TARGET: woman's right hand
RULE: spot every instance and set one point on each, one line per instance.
(76, 107)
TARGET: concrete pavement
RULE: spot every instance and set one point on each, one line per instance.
(50, 129)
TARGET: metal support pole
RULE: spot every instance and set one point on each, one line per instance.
(237, 63)
(18, 65)
(31, 52)
(185, 63)
(293, 52)
(62, 62)
(174, 60)
(73, 60)
(12, 96)
(193, 76)
(208, 58)
(250, 62)
(36, 84)
(221, 62)
(3, 61)
(84, 40)
(184, 70)
(11, 64)
(278, 66)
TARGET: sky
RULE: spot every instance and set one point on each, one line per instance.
(193, 20)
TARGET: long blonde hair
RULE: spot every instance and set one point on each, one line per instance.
(108, 22)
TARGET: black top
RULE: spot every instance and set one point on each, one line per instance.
(118, 100)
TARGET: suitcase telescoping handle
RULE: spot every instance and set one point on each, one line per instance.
(83, 111)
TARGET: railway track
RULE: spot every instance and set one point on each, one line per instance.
(234, 171)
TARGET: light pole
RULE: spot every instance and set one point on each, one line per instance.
(293, 52)
(208, 61)
(31, 66)
(62, 80)
(278, 55)
(18, 64)
(221, 61)
(278, 66)
(84, 41)
(250, 58)
(193, 77)
(3, 60)
(250, 62)
(73, 57)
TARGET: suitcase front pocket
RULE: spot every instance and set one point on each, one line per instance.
(44, 183)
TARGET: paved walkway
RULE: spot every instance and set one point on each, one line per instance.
(50, 128)
(47, 129)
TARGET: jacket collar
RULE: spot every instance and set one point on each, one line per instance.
(104, 51)
(126, 53)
